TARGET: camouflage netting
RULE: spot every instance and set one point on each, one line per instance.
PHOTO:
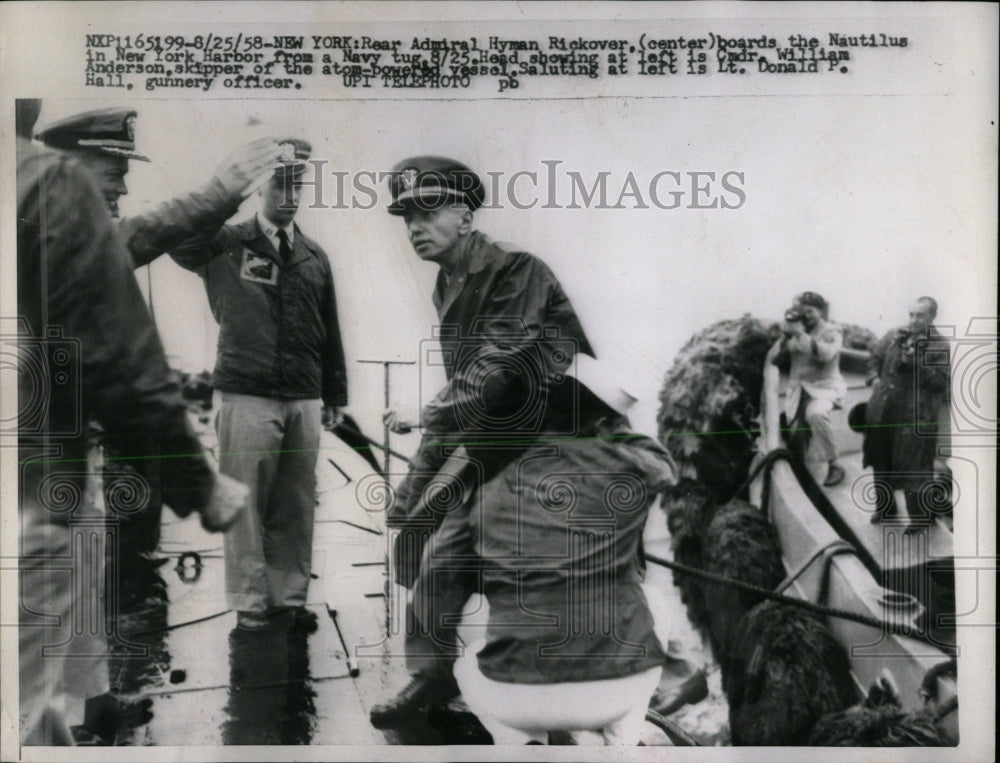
(710, 400)
(858, 337)
(707, 420)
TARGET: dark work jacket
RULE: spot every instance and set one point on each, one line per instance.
(150, 234)
(88, 344)
(558, 533)
(506, 325)
(908, 403)
(279, 334)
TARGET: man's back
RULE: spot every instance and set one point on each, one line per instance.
(75, 279)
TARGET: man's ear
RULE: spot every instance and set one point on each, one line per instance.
(466, 221)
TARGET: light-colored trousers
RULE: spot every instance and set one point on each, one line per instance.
(271, 446)
(62, 634)
(817, 416)
(522, 713)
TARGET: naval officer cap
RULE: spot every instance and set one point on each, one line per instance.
(109, 131)
(430, 182)
(292, 161)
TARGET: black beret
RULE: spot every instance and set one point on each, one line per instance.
(110, 131)
(428, 182)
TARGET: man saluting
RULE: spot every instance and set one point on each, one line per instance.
(281, 372)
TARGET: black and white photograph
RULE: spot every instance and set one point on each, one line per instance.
(434, 380)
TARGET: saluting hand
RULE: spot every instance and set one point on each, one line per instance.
(246, 164)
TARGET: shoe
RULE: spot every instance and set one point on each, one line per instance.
(835, 476)
(252, 621)
(304, 620)
(422, 691)
(105, 715)
(690, 691)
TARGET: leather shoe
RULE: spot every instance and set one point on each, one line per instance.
(422, 691)
(304, 620)
(105, 715)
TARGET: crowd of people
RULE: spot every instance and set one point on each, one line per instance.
(530, 430)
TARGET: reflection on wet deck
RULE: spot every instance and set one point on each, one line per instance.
(212, 683)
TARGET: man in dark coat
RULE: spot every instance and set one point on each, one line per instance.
(281, 371)
(506, 328)
(103, 141)
(87, 349)
(908, 411)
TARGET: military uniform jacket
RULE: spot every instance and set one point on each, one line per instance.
(74, 276)
(150, 234)
(505, 326)
(279, 334)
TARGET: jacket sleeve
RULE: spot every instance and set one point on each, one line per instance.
(148, 235)
(934, 359)
(126, 384)
(527, 330)
(878, 355)
(196, 252)
(334, 366)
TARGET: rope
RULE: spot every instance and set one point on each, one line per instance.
(675, 733)
(816, 609)
(836, 546)
(778, 454)
(166, 628)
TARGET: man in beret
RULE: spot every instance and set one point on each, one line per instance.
(103, 140)
(506, 328)
(816, 387)
(280, 369)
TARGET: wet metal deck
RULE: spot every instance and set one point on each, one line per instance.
(212, 683)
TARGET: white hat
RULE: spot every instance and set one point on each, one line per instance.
(603, 382)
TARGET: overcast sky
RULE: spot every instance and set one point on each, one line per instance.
(871, 199)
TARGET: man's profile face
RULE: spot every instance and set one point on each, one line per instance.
(109, 171)
(920, 317)
(280, 200)
(435, 232)
(810, 315)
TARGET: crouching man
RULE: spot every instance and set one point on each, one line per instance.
(569, 643)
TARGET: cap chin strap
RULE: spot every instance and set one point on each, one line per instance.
(114, 150)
